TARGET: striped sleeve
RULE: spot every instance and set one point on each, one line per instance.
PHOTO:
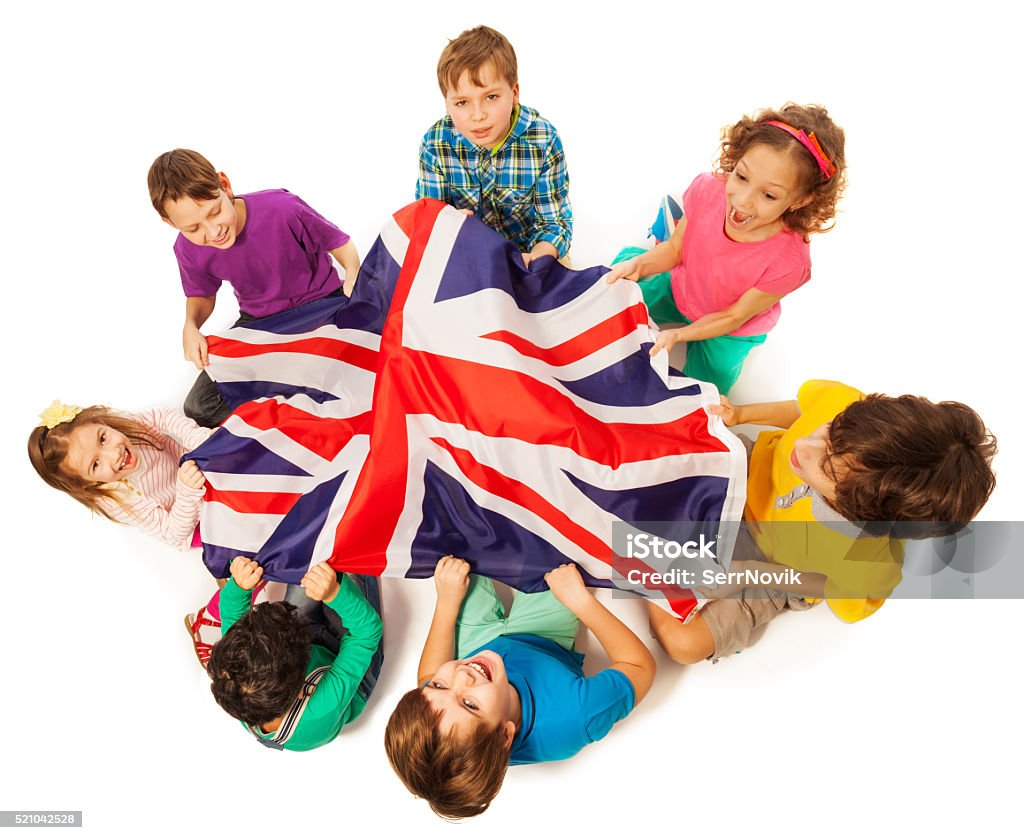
(174, 527)
(174, 424)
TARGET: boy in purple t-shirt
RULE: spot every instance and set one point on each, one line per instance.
(273, 248)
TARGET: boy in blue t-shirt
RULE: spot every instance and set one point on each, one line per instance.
(516, 694)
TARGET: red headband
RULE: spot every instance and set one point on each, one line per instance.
(809, 142)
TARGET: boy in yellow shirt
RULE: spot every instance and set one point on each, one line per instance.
(828, 493)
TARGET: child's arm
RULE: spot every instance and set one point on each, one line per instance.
(348, 258)
(358, 645)
(432, 182)
(451, 580)
(236, 596)
(714, 324)
(551, 204)
(662, 257)
(627, 653)
(193, 342)
(171, 422)
(782, 415)
(175, 526)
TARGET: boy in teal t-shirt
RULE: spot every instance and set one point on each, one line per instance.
(291, 692)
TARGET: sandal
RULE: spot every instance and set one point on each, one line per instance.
(194, 624)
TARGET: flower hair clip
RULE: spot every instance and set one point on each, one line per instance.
(58, 413)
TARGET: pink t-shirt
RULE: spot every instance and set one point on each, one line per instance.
(715, 271)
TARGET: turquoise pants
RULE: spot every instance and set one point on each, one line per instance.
(482, 618)
(716, 360)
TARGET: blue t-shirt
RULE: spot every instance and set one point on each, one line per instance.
(563, 710)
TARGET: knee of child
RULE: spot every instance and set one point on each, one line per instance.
(686, 644)
(457, 778)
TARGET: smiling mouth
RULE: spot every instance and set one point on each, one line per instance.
(221, 239)
(739, 219)
(480, 667)
(126, 460)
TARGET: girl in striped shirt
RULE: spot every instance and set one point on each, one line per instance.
(125, 467)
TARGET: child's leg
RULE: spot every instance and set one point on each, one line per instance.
(370, 587)
(542, 614)
(325, 624)
(204, 403)
(719, 360)
(481, 619)
(722, 627)
(657, 292)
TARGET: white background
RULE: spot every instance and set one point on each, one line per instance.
(906, 722)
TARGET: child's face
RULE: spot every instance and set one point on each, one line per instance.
(470, 693)
(482, 113)
(763, 185)
(99, 454)
(808, 460)
(211, 222)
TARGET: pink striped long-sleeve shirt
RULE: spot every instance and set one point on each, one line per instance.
(153, 498)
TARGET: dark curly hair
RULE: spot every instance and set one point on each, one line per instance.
(458, 779)
(908, 460)
(259, 666)
(818, 215)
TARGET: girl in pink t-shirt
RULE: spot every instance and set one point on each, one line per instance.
(741, 245)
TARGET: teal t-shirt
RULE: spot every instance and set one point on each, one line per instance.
(563, 710)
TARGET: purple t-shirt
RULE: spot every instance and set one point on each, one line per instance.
(280, 259)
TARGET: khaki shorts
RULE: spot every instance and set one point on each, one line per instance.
(732, 621)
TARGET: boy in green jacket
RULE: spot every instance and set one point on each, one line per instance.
(292, 688)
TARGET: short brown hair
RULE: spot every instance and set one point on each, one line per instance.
(457, 779)
(47, 449)
(181, 173)
(817, 216)
(907, 459)
(471, 51)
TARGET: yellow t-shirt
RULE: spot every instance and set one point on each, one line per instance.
(795, 527)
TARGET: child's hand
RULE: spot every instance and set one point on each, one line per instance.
(727, 411)
(467, 212)
(191, 476)
(567, 586)
(630, 270)
(246, 573)
(321, 583)
(451, 580)
(193, 343)
(666, 340)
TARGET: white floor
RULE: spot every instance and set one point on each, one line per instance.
(906, 722)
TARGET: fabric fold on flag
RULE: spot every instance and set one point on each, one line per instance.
(460, 403)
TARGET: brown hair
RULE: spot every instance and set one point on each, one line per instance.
(457, 779)
(818, 215)
(471, 51)
(900, 459)
(47, 449)
(178, 174)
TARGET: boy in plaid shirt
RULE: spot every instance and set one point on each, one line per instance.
(492, 157)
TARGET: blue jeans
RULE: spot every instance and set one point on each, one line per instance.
(327, 630)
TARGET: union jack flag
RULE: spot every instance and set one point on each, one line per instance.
(458, 403)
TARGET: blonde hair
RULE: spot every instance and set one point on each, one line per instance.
(48, 448)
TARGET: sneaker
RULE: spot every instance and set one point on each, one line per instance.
(204, 632)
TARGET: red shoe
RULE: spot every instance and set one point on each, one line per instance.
(194, 623)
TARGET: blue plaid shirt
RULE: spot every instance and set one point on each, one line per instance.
(521, 189)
